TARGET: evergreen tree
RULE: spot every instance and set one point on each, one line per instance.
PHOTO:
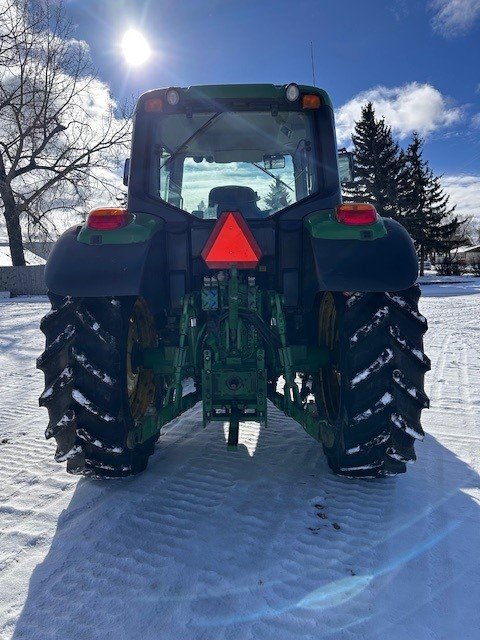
(277, 198)
(429, 217)
(201, 206)
(379, 166)
(476, 235)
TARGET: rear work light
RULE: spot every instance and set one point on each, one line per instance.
(292, 92)
(173, 97)
(107, 218)
(356, 214)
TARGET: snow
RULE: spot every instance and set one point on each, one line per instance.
(66, 334)
(376, 365)
(86, 437)
(395, 332)
(363, 331)
(65, 419)
(402, 424)
(85, 402)
(413, 391)
(82, 359)
(434, 278)
(362, 467)
(396, 456)
(71, 453)
(30, 257)
(451, 286)
(378, 406)
(261, 544)
(60, 382)
(402, 303)
(382, 437)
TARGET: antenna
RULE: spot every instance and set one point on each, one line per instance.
(313, 62)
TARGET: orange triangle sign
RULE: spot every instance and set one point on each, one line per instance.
(231, 243)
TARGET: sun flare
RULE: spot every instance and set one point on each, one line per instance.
(135, 47)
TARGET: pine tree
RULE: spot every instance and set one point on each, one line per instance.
(414, 196)
(379, 166)
(278, 197)
(429, 217)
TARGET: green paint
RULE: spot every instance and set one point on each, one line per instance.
(323, 224)
(234, 357)
(159, 360)
(233, 373)
(140, 229)
(309, 359)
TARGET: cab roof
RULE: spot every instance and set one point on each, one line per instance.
(239, 92)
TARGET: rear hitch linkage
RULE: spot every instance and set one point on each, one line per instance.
(233, 338)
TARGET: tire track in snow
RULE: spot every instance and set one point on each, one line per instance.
(168, 513)
(211, 545)
(34, 512)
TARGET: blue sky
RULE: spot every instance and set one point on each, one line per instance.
(419, 60)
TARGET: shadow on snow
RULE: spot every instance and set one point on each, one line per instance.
(208, 544)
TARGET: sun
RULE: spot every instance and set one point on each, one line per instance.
(135, 47)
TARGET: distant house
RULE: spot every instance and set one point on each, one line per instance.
(468, 255)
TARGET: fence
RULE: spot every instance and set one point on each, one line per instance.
(23, 280)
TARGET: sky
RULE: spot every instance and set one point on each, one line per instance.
(417, 60)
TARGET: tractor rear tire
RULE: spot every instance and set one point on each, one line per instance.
(89, 379)
(372, 393)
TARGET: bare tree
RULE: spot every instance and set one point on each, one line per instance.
(60, 131)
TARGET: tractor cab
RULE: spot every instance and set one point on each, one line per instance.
(258, 149)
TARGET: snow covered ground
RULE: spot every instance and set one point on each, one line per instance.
(260, 544)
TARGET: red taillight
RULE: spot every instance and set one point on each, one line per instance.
(356, 214)
(231, 243)
(107, 218)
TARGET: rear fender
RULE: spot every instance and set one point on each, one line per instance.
(383, 261)
(75, 268)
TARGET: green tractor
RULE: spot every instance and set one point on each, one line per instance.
(235, 276)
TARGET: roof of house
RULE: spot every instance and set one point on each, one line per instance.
(475, 247)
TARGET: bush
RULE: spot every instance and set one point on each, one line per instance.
(475, 267)
(450, 266)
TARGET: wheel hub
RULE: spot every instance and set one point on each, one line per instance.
(140, 381)
(330, 379)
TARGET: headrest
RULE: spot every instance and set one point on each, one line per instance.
(232, 196)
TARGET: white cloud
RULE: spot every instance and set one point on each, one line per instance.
(411, 107)
(476, 120)
(89, 115)
(464, 191)
(454, 17)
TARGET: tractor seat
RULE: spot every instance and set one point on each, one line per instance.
(236, 198)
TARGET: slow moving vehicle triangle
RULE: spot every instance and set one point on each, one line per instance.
(231, 244)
